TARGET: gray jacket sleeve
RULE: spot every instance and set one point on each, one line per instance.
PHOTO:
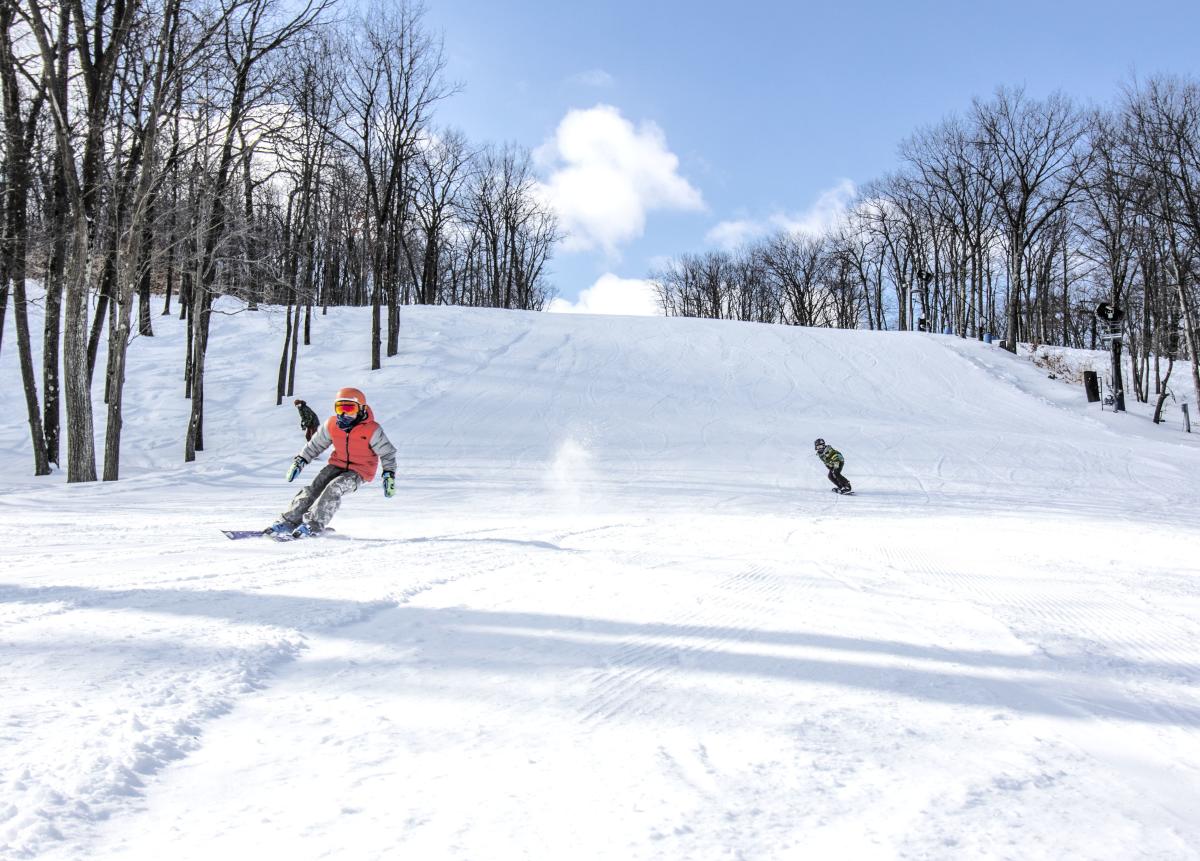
(383, 447)
(317, 444)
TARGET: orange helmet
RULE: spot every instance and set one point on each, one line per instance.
(349, 394)
(346, 413)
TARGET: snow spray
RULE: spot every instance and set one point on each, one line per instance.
(570, 475)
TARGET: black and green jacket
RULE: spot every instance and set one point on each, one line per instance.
(831, 457)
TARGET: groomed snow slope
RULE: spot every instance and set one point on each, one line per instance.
(614, 610)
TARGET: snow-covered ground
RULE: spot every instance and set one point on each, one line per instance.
(614, 610)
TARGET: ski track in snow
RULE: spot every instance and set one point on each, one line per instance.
(614, 611)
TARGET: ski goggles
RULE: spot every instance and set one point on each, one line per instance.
(345, 408)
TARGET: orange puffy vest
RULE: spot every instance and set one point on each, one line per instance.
(352, 448)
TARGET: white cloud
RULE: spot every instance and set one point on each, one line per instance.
(592, 78)
(826, 212)
(631, 297)
(731, 234)
(605, 175)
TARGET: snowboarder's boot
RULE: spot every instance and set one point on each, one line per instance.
(846, 489)
(282, 529)
(305, 531)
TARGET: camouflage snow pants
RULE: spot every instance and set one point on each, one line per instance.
(317, 503)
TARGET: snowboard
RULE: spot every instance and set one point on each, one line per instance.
(239, 534)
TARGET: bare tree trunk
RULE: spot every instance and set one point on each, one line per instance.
(1147, 344)
(189, 339)
(15, 230)
(1190, 333)
(18, 133)
(280, 383)
(291, 385)
(118, 344)
(170, 277)
(41, 466)
(107, 286)
(1014, 299)
(976, 312)
(52, 331)
(81, 447)
(376, 362)
(185, 293)
(118, 296)
(1135, 375)
(1162, 391)
(201, 311)
(3, 294)
(393, 306)
(1066, 304)
(393, 316)
(145, 329)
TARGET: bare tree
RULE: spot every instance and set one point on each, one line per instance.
(163, 60)
(952, 167)
(1165, 118)
(252, 31)
(386, 99)
(441, 171)
(303, 149)
(798, 265)
(100, 35)
(1112, 200)
(1033, 168)
(20, 121)
(514, 232)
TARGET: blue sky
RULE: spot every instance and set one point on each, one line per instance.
(666, 127)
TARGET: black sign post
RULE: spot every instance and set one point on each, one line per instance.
(1111, 318)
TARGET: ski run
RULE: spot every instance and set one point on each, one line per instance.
(613, 611)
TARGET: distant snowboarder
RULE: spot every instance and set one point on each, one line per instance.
(359, 445)
(832, 458)
(309, 423)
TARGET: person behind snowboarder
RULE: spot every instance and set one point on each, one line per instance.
(832, 458)
(308, 419)
(359, 447)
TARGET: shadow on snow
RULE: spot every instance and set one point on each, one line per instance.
(459, 638)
